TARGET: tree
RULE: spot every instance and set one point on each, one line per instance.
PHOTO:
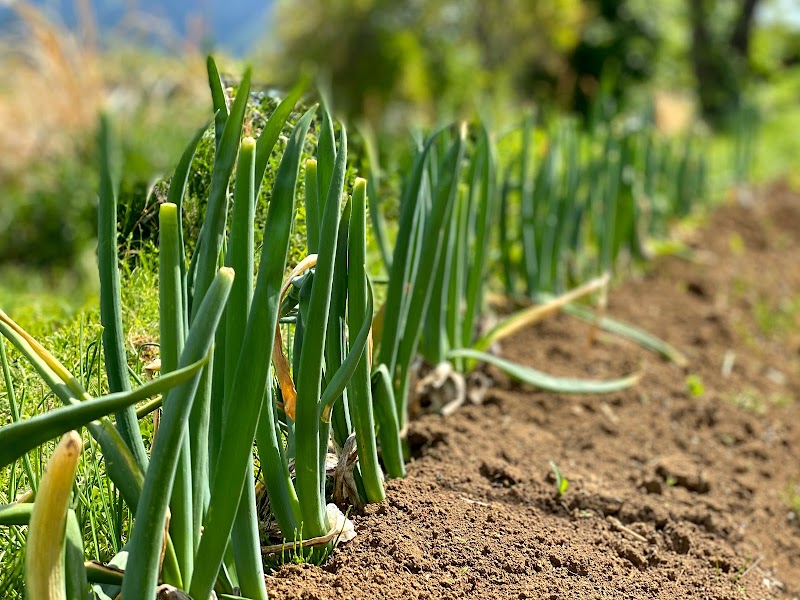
(385, 55)
(719, 55)
(617, 46)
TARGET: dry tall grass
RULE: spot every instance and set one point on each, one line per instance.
(51, 90)
(53, 83)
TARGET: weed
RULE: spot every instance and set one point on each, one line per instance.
(775, 320)
(562, 483)
(791, 498)
(694, 385)
(461, 572)
(736, 244)
(749, 400)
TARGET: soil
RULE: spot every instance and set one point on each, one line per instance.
(675, 490)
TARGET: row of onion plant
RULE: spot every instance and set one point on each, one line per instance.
(439, 268)
(577, 203)
(271, 365)
(225, 385)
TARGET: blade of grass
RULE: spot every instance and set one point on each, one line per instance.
(18, 438)
(14, 410)
(120, 463)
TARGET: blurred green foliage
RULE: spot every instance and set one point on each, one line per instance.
(396, 61)
(394, 65)
(437, 57)
(48, 212)
(618, 47)
(45, 220)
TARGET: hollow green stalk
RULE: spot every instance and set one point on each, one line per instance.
(359, 389)
(116, 364)
(432, 243)
(250, 383)
(172, 313)
(386, 419)
(245, 536)
(209, 249)
(310, 480)
(142, 572)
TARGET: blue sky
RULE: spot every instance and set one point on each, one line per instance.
(234, 24)
(787, 11)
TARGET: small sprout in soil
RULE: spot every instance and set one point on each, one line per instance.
(562, 483)
(774, 319)
(694, 385)
(736, 244)
(782, 399)
(461, 572)
(749, 400)
(791, 498)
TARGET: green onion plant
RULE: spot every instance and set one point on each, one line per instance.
(196, 524)
(268, 366)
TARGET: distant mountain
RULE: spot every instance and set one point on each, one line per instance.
(233, 25)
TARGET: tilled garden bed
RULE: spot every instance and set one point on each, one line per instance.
(685, 486)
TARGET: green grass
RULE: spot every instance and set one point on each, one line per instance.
(777, 316)
(778, 145)
(791, 498)
(67, 321)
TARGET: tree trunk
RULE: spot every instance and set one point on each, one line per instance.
(740, 36)
(719, 62)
